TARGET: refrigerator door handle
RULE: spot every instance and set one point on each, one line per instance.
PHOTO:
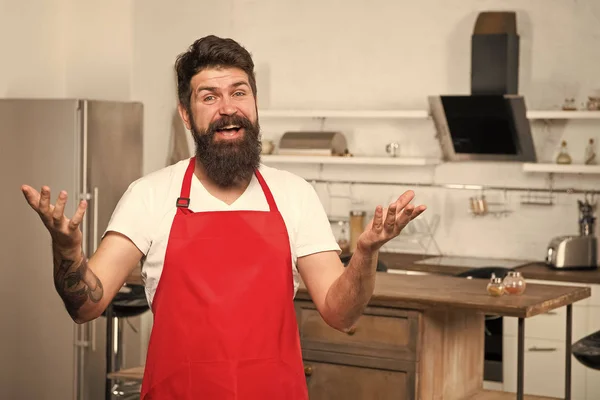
(95, 243)
(95, 220)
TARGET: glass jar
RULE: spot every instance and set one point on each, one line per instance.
(357, 225)
(563, 156)
(514, 283)
(495, 287)
(569, 104)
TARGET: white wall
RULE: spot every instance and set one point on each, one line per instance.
(98, 37)
(66, 48)
(32, 48)
(391, 55)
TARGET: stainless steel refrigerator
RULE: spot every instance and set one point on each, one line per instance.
(93, 150)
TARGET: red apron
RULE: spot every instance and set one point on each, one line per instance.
(224, 321)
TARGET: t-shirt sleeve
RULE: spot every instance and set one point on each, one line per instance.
(314, 229)
(130, 217)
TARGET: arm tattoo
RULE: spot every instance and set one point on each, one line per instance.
(76, 283)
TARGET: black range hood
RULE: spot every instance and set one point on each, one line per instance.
(490, 124)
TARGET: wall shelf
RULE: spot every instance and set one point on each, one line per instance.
(412, 114)
(560, 114)
(354, 114)
(285, 159)
(562, 169)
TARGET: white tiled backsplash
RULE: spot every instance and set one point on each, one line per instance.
(522, 233)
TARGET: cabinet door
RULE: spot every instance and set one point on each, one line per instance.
(544, 369)
(551, 325)
(333, 381)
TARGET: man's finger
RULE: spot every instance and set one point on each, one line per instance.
(44, 205)
(378, 219)
(59, 209)
(390, 218)
(418, 211)
(78, 217)
(405, 198)
(32, 196)
(405, 216)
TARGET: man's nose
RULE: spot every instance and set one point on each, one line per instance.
(227, 107)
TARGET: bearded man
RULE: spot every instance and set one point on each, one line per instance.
(223, 241)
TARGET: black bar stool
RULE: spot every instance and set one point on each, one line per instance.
(130, 301)
(587, 350)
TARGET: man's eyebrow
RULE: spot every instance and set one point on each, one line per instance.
(215, 89)
(207, 88)
(240, 83)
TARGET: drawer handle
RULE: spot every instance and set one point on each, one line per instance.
(551, 313)
(308, 370)
(534, 348)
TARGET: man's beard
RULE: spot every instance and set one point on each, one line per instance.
(227, 162)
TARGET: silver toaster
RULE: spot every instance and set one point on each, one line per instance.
(573, 252)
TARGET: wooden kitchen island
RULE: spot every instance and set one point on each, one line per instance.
(421, 337)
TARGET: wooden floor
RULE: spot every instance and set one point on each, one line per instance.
(495, 395)
(137, 373)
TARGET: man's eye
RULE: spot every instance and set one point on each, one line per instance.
(209, 98)
(239, 93)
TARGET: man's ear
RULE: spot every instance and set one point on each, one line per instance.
(185, 117)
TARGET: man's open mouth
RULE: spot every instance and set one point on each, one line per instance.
(229, 130)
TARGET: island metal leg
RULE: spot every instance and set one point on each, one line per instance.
(568, 352)
(109, 352)
(520, 358)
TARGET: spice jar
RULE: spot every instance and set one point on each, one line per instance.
(514, 283)
(495, 287)
(357, 225)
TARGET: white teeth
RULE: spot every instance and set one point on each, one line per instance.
(231, 127)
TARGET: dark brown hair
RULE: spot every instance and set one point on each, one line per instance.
(211, 52)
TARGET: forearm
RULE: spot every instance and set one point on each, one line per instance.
(77, 285)
(349, 294)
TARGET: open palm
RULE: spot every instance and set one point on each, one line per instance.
(65, 232)
(388, 223)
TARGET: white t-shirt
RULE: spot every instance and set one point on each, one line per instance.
(145, 213)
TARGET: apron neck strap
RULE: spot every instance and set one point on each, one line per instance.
(184, 197)
(266, 191)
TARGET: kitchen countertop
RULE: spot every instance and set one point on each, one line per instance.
(406, 261)
(423, 292)
(530, 270)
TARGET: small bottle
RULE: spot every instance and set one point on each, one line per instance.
(357, 225)
(514, 283)
(495, 287)
(590, 153)
(563, 154)
(343, 241)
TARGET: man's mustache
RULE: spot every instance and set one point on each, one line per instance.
(227, 120)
